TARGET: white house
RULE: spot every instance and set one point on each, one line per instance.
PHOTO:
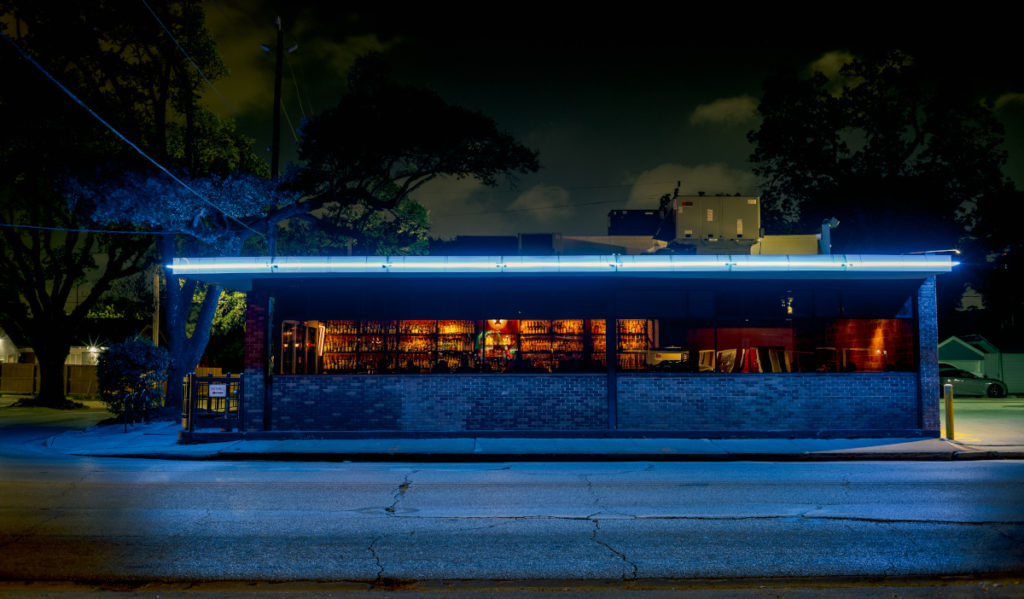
(978, 355)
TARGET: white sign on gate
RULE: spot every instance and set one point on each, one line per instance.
(218, 390)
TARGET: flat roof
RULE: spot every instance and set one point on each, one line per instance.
(239, 273)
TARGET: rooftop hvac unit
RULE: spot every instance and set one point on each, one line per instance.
(711, 219)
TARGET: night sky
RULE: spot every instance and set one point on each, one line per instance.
(620, 108)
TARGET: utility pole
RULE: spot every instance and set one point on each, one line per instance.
(279, 51)
(275, 144)
(156, 308)
(275, 148)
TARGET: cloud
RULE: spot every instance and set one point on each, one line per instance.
(448, 194)
(544, 203)
(249, 87)
(341, 56)
(250, 81)
(831, 63)
(467, 207)
(726, 111)
(451, 204)
(1009, 99)
(711, 179)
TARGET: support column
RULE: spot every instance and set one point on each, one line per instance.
(257, 343)
(926, 318)
(268, 368)
(611, 355)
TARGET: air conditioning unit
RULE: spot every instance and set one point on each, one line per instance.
(710, 220)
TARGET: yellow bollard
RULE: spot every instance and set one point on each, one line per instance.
(947, 392)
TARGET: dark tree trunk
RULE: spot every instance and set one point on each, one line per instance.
(52, 351)
(185, 351)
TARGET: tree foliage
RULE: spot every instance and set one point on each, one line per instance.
(381, 142)
(1002, 320)
(360, 230)
(384, 140)
(897, 150)
(122, 63)
(131, 375)
(56, 265)
(226, 347)
(359, 162)
(213, 212)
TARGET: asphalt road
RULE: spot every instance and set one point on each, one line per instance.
(109, 519)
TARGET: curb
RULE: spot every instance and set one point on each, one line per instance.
(293, 456)
(988, 455)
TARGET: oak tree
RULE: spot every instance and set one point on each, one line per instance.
(896, 148)
(357, 161)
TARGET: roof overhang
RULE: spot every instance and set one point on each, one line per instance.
(239, 273)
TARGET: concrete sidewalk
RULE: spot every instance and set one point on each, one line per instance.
(160, 440)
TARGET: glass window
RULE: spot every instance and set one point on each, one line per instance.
(733, 330)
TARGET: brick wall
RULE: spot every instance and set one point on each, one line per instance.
(438, 402)
(253, 393)
(255, 357)
(768, 402)
(255, 331)
(576, 402)
(928, 344)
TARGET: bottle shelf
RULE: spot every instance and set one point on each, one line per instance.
(406, 345)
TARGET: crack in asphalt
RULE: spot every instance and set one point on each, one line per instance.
(399, 493)
(206, 519)
(1011, 537)
(373, 552)
(891, 563)
(15, 539)
(597, 500)
(622, 556)
(590, 488)
(913, 542)
(722, 519)
(911, 521)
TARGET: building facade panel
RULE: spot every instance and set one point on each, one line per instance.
(928, 344)
(885, 401)
(254, 389)
(440, 403)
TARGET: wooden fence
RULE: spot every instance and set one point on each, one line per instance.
(24, 379)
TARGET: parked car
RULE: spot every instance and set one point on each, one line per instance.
(967, 383)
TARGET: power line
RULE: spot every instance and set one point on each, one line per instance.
(565, 187)
(295, 82)
(291, 127)
(141, 152)
(198, 70)
(70, 230)
(554, 207)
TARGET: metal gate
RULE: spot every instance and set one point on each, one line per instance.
(212, 402)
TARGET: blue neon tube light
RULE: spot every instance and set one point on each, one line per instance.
(599, 264)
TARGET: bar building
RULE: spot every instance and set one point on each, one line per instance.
(699, 345)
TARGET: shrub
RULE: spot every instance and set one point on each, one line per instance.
(131, 376)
